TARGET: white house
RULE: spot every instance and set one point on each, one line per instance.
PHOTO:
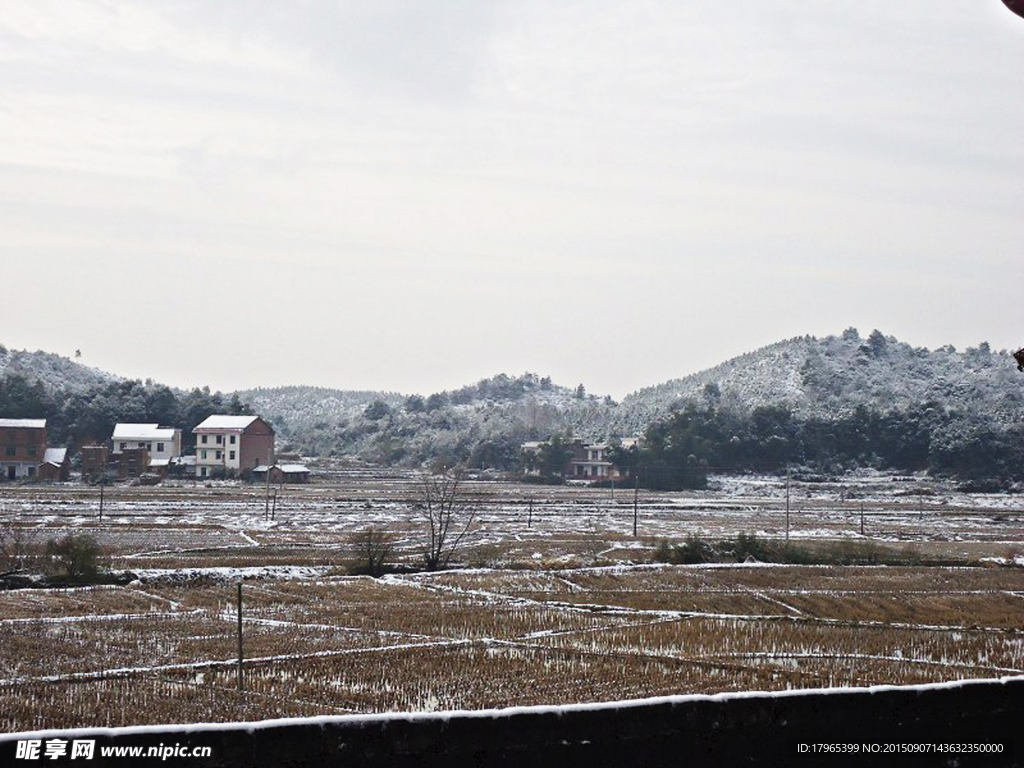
(163, 443)
(232, 444)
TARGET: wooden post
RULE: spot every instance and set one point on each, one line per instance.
(103, 482)
(862, 518)
(273, 506)
(240, 684)
(529, 518)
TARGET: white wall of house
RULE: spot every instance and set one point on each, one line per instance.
(164, 443)
(158, 449)
(218, 449)
(21, 470)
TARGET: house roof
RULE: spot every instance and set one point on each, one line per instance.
(160, 463)
(129, 431)
(55, 456)
(218, 423)
(185, 461)
(24, 423)
(288, 469)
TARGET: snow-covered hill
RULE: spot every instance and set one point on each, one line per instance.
(825, 378)
(54, 371)
(830, 377)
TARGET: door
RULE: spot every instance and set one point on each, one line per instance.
(12, 472)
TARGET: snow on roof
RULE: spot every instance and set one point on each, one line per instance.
(24, 423)
(288, 469)
(55, 456)
(218, 422)
(159, 462)
(129, 431)
(185, 461)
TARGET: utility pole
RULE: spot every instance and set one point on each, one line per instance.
(240, 684)
(636, 494)
(862, 518)
(787, 505)
(529, 516)
(103, 482)
(266, 505)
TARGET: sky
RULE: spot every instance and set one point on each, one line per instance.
(411, 196)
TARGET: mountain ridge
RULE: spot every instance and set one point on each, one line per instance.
(814, 378)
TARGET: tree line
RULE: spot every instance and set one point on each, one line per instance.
(81, 417)
(697, 439)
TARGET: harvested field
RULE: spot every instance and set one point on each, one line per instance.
(564, 604)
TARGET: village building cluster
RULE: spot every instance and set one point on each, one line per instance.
(225, 446)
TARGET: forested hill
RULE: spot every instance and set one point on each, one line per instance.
(835, 402)
(830, 377)
(840, 400)
(484, 423)
(82, 404)
(53, 371)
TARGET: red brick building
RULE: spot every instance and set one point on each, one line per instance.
(22, 447)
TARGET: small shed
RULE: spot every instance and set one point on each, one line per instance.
(159, 467)
(282, 473)
(55, 466)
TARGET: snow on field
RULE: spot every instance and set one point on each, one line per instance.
(552, 587)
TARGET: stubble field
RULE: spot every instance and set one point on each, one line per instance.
(553, 601)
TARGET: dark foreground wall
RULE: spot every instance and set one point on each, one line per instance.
(753, 729)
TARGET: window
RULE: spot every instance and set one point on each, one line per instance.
(231, 455)
(123, 446)
(203, 470)
(218, 455)
(159, 447)
(232, 439)
(31, 471)
(220, 439)
(204, 456)
(11, 450)
(32, 450)
(203, 439)
(149, 446)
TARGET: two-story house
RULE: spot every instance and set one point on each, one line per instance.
(22, 447)
(232, 445)
(162, 443)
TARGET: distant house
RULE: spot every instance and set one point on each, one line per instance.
(585, 460)
(282, 473)
(132, 462)
(25, 454)
(94, 460)
(22, 445)
(232, 445)
(162, 443)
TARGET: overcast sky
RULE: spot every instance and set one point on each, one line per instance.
(414, 195)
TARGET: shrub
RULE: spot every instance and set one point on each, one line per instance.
(74, 557)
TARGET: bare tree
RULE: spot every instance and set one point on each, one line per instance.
(16, 548)
(449, 511)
